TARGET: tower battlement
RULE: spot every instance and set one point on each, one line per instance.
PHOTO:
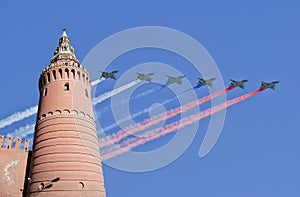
(8, 142)
(13, 165)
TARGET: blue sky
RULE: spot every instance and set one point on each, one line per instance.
(258, 151)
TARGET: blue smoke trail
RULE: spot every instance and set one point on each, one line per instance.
(138, 96)
(146, 110)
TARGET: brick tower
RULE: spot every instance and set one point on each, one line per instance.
(65, 156)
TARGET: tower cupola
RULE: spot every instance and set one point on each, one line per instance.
(64, 48)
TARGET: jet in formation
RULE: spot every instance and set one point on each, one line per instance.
(266, 85)
(144, 77)
(240, 84)
(177, 80)
(111, 75)
(203, 82)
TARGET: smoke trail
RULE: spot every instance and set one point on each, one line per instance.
(23, 131)
(146, 110)
(148, 92)
(138, 96)
(131, 129)
(93, 83)
(109, 94)
(157, 133)
(18, 116)
(21, 115)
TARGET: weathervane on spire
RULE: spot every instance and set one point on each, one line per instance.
(64, 34)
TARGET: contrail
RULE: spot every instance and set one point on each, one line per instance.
(93, 83)
(148, 92)
(138, 96)
(18, 116)
(131, 129)
(146, 110)
(157, 133)
(21, 115)
(109, 94)
(23, 131)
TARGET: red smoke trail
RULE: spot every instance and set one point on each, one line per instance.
(131, 129)
(157, 133)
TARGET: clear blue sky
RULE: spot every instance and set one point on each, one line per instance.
(258, 151)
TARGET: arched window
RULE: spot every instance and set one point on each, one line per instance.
(67, 73)
(83, 77)
(45, 92)
(78, 75)
(48, 77)
(44, 79)
(73, 73)
(54, 74)
(40, 83)
(60, 73)
(86, 93)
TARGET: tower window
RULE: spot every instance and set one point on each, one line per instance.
(44, 79)
(66, 87)
(45, 92)
(54, 74)
(73, 73)
(78, 75)
(48, 77)
(86, 93)
(60, 73)
(67, 72)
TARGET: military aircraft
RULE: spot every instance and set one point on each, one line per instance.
(240, 84)
(177, 80)
(111, 75)
(271, 85)
(203, 82)
(144, 77)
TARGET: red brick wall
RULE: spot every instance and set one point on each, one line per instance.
(13, 163)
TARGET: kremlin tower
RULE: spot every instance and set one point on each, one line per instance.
(65, 157)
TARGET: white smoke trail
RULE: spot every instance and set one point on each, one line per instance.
(93, 83)
(138, 96)
(23, 131)
(109, 94)
(18, 116)
(21, 115)
(146, 110)
(148, 92)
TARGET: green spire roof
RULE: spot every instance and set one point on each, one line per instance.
(64, 47)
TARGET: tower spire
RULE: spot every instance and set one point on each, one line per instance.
(64, 33)
(64, 50)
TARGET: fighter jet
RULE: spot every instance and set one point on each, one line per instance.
(111, 75)
(144, 77)
(203, 82)
(177, 80)
(271, 85)
(236, 83)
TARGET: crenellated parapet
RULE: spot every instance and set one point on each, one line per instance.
(64, 70)
(8, 142)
